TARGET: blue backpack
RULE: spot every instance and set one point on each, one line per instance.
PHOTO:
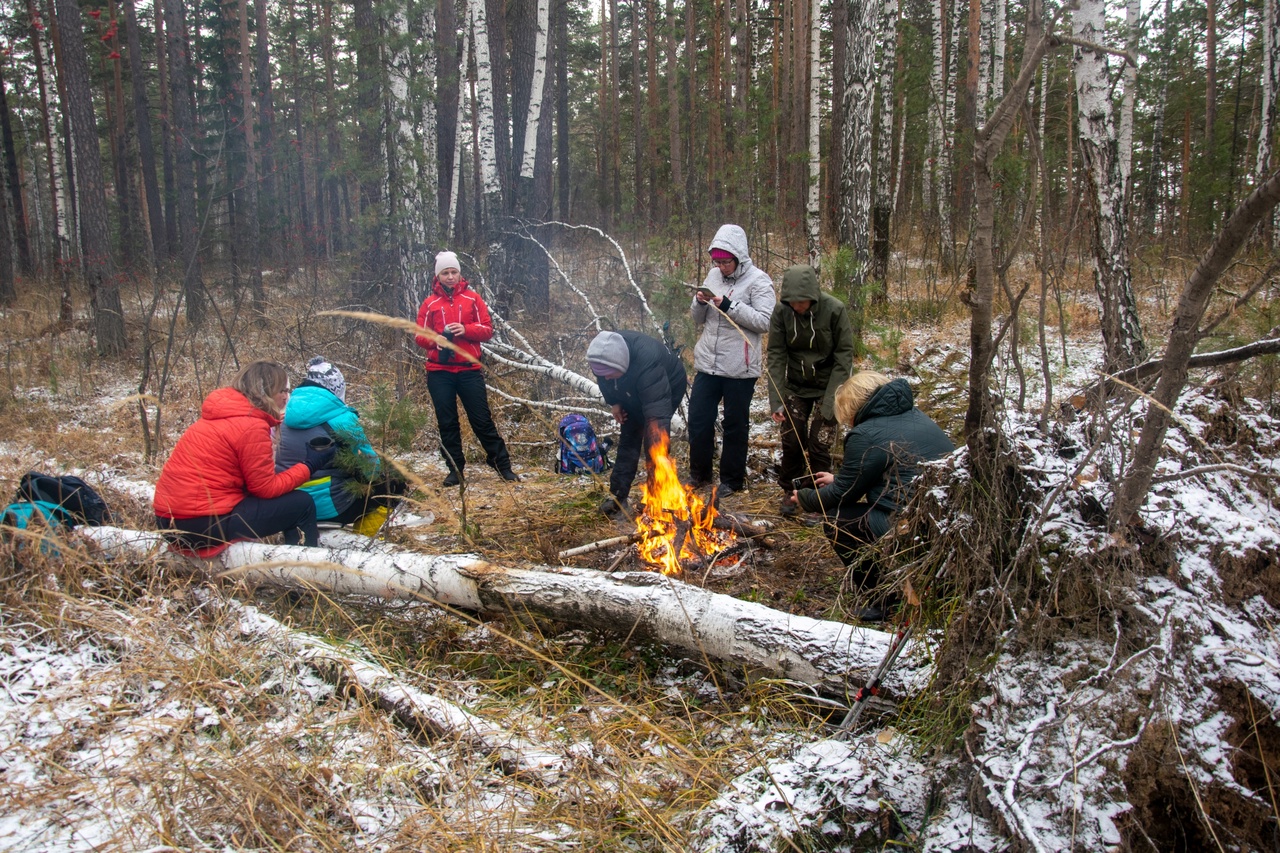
(580, 451)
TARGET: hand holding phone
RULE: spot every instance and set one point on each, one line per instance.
(808, 481)
(705, 294)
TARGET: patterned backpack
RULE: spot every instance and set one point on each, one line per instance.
(580, 451)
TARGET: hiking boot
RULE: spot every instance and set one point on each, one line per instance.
(509, 475)
(720, 492)
(453, 479)
(613, 507)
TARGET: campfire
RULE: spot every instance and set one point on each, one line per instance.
(677, 528)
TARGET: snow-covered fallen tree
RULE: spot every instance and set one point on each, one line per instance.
(706, 626)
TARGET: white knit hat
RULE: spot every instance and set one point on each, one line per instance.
(447, 261)
(324, 374)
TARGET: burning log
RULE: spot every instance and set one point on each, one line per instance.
(649, 605)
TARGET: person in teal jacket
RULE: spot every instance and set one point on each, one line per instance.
(355, 483)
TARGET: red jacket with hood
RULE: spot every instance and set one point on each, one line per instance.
(223, 458)
(464, 306)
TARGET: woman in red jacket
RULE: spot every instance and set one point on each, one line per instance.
(220, 483)
(457, 313)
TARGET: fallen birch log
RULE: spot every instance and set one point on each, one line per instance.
(648, 605)
(416, 710)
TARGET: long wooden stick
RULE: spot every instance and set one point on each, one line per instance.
(599, 545)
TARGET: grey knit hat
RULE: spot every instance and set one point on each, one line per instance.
(608, 352)
(324, 374)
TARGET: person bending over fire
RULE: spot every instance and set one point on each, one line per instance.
(888, 441)
(644, 382)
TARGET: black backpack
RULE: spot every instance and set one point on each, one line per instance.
(74, 496)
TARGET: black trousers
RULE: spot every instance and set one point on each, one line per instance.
(293, 514)
(446, 389)
(850, 531)
(388, 492)
(635, 437)
(806, 439)
(704, 401)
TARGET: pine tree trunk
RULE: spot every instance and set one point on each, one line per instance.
(565, 199)
(20, 239)
(676, 153)
(1121, 330)
(142, 127)
(249, 220)
(652, 110)
(167, 134)
(269, 209)
(97, 258)
(8, 291)
(184, 146)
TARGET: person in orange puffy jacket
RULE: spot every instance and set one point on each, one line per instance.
(220, 483)
(456, 313)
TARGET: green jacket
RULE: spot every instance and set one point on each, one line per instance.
(809, 354)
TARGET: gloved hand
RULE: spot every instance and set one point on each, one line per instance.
(318, 459)
(725, 302)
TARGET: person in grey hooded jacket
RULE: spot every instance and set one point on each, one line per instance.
(810, 354)
(731, 310)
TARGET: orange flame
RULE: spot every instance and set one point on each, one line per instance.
(676, 523)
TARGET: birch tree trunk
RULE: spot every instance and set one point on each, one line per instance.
(813, 212)
(411, 156)
(855, 189)
(998, 18)
(930, 190)
(1099, 152)
(640, 605)
(1133, 11)
(491, 188)
(882, 203)
(1270, 89)
(534, 116)
(55, 156)
(97, 257)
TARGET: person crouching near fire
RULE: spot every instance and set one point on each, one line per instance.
(457, 313)
(220, 483)
(888, 440)
(643, 382)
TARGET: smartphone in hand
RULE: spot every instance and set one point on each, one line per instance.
(705, 293)
(808, 481)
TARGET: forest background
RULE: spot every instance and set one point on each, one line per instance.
(164, 139)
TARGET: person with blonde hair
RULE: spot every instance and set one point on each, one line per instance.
(220, 483)
(889, 439)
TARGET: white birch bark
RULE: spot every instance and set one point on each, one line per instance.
(417, 710)
(68, 241)
(859, 90)
(1099, 144)
(412, 157)
(888, 37)
(813, 212)
(1270, 87)
(984, 56)
(492, 184)
(461, 133)
(998, 19)
(536, 93)
(937, 108)
(1132, 15)
(959, 12)
(641, 605)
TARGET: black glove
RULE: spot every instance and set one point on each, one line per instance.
(444, 355)
(725, 302)
(318, 459)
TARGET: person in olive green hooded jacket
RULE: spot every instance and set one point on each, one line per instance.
(810, 355)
